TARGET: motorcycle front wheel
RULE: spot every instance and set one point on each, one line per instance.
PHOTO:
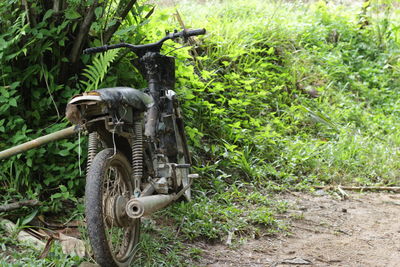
(112, 234)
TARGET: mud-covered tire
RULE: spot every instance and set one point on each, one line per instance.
(97, 190)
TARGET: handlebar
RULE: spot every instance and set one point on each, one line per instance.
(152, 47)
(188, 33)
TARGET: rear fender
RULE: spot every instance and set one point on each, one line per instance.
(119, 102)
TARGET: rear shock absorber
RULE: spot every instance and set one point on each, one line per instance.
(92, 149)
(137, 156)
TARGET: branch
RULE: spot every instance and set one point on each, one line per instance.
(191, 40)
(83, 32)
(19, 204)
(29, 13)
(121, 15)
(363, 18)
(363, 188)
(57, 5)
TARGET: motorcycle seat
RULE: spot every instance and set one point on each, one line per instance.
(116, 96)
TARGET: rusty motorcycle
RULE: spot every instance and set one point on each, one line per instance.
(138, 158)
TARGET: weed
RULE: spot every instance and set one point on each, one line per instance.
(282, 96)
(13, 253)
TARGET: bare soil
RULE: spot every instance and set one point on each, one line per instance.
(362, 230)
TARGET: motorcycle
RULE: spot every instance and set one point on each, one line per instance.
(138, 158)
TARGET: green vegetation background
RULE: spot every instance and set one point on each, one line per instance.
(280, 96)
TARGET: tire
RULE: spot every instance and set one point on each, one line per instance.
(109, 180)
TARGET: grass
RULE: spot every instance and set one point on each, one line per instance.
(283, 96)
(160, 245)
(287, 95)
(264, 123)
(14, 253)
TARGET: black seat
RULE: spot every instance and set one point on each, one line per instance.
(116, 96)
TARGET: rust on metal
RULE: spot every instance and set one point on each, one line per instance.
(143, 206)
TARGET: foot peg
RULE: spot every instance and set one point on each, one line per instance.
(193, 176)
(180, 166)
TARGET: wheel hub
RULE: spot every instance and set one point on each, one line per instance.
(115, 211)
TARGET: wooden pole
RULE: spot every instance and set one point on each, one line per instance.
(38, 142)
(362, 188)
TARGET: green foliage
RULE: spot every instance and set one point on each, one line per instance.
(39, 73)
(27, 256)
(237, 209)
(283, 95)
(13, 253)
(161, 246)
(299, 101)
(280, 95)
(95, 73)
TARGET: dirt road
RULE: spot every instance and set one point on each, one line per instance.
(362, 230)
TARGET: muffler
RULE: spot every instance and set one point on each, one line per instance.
(143, 206)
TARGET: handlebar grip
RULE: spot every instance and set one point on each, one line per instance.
(188, 33)
(95, 49)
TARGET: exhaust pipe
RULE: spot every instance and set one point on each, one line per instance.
(143, 206)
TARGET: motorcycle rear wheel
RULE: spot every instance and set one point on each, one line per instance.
(113, 235)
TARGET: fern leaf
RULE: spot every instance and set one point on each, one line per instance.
(96, 72)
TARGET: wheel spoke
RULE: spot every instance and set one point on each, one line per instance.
(114, 237)
(118, 237)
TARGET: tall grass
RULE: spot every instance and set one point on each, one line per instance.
(264, 61)
(282, 95)
(285, 95)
